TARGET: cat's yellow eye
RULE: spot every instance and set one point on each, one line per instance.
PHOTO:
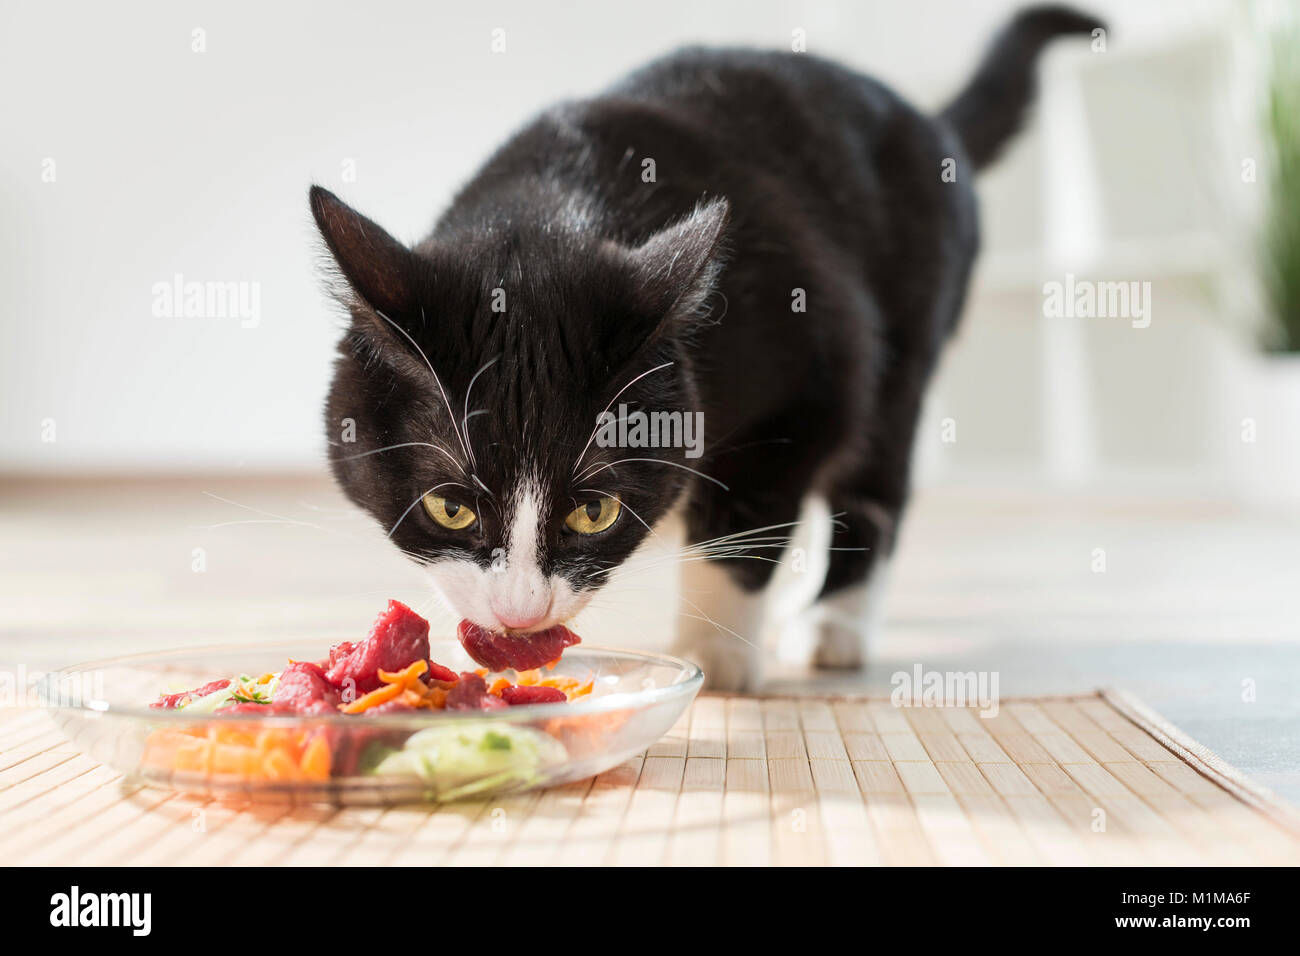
(450, 514)
(595, 516)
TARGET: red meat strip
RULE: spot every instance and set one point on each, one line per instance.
(517, 696)
(398, 638)
(471, 693)
(498, 652)
(168, 701)
(438, 672)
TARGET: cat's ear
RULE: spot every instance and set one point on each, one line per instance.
(675, 269)
(376, 266)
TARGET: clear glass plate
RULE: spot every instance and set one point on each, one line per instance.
(102, 706)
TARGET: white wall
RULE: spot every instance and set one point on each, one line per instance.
(170, 161)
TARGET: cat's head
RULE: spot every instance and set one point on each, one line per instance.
(469, 388)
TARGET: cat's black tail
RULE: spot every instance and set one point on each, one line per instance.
(993, 105)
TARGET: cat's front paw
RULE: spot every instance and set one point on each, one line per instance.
(843, 626)
(729, 664)
(839, 646)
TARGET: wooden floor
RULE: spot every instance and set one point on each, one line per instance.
(739, 781)
(1193, 605)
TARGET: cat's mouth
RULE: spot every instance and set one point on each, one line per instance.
(502, 650)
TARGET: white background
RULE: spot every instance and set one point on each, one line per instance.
(171, 161)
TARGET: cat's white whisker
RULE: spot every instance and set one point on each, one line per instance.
(416, 502)
(265, 514)
(434, 373)
(229, 524)
(622, 504)
(660, 461)
(708, 620)
(465, 417)
(596, 429)
(605, 605)
(753, 531)
(405, 444)
(738, 534)
(725, 546)
(271, 518)
(630, 569)
(334, 514)
(740, 542)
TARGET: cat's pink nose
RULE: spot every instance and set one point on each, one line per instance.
(516, 620)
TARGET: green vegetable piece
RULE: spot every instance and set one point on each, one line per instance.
(495, 741)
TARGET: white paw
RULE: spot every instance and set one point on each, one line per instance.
(842, 627)
(839, 646)
(729, 664)
(720, 627)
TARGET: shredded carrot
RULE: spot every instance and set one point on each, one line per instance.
(284, 754)
(380, 696)
(240, 752)
(269, 740)
(196, 756)
(559, 683)
(279, 765)
(315, 762)
(407, 675)
(234, 759)
(232, 735)
(571, 686)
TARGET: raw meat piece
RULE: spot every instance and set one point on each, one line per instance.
(471, 693)
(498, 652)
(303, 683)
(518, 696)
(438, 672)
(168, 701)
(399, 637)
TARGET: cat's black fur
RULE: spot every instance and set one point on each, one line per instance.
(774, 172)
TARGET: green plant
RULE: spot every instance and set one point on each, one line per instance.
(1281, 252)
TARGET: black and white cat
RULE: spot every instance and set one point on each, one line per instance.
(766, 239)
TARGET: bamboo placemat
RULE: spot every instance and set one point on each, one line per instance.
(1095, 779)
